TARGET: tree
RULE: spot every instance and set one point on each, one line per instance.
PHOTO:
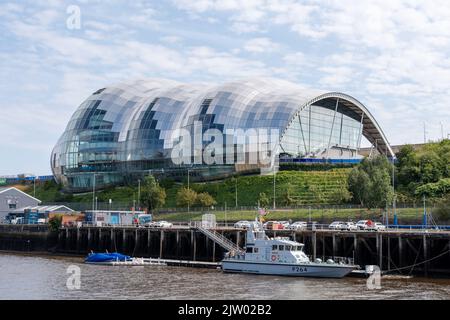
(359, 184)
(370, 182)
(186, 197)
(204, 199)
(442, 210)
(153, 196)
(417, 167)
(55, 222)
(263, 200)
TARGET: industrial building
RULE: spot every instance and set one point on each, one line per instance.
(12, 199)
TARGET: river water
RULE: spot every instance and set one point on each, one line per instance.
(43, 277)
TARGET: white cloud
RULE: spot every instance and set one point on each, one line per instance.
(391, 55)
(261, 45)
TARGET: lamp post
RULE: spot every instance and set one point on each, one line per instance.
(93, 195)
(235, 193)
(188, 172)
(139, 194)
(226, 222)
(394, 204)
(274, 188)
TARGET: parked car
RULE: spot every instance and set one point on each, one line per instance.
(285, 224)
(338, 225)
(273, 225)
(365, 225)
(379, 226)
(351, 226)
(243, 224)
(158, 224)
(298, 225)
(41, 221)
(165, 224)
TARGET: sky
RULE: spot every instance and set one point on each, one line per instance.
(393, 56)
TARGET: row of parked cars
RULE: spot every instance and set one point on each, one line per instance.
(274, 225)
(157, 224)
(367, 225)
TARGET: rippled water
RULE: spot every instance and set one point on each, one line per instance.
(31, 277)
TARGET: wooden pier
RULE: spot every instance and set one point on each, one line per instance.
(423, 252)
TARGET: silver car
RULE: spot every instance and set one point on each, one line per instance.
(243, 224)
(298, 225)
(338, 225)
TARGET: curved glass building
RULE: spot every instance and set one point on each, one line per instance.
(167, 128)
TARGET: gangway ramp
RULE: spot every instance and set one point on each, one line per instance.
(219, 239)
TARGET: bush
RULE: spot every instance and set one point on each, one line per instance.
(186, 197)
(204, 199)
(55, 222)
(442, 211)
(435, 189)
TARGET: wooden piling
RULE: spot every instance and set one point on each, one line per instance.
(389, 252)
(89, 240)
(178, 243)
(112, 240)
(314, 245)
(194, 246)
(124, 240)
(323, 247)
(334, 245)
(99, 243)
(161, 244)
(149, 248)
(136, 241)
(425, 255)
(379, 242)
(78, 239)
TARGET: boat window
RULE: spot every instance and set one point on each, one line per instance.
(249, 250)
(274, 247)
(255, 250)
(288, 248)
(281, 248)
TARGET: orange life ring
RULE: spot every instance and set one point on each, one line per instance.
(274, 257)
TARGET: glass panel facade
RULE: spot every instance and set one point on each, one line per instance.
(126, 130)
(317, 129)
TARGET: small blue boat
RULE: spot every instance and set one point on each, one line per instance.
(106, 257)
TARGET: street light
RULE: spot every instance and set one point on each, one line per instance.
(93, 195)
(274, 186)
(139, 194)
(188, 171)
(236, 193)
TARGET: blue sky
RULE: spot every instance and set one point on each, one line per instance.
(394, 56)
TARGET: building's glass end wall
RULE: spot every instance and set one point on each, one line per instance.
(316, 130)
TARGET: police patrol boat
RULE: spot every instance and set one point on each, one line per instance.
(280, 256)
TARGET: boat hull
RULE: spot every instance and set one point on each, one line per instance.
(294, 270)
